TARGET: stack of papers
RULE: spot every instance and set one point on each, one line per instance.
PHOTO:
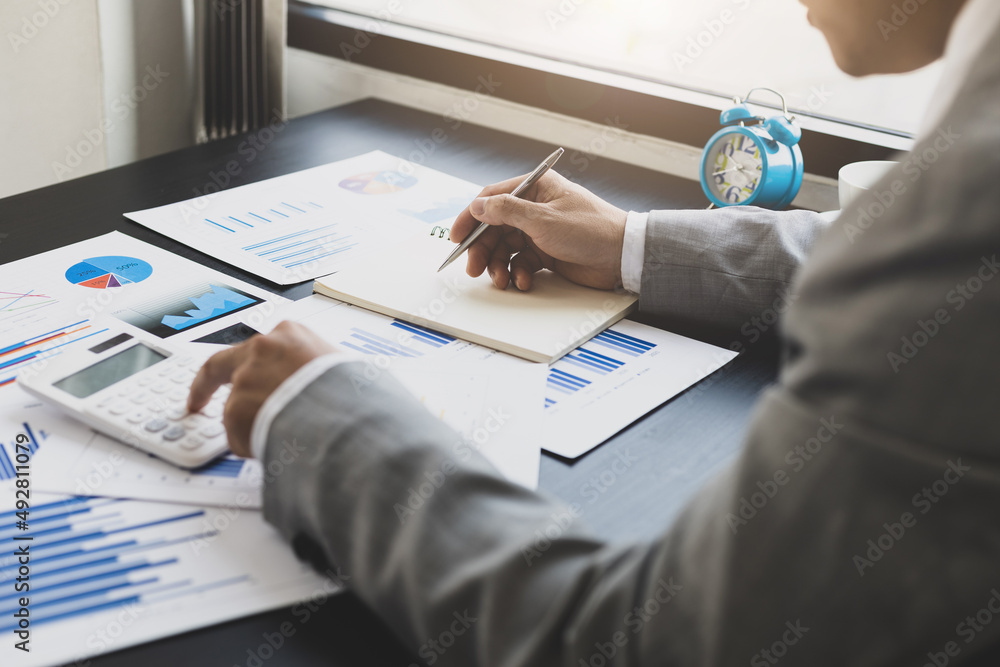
(118, 533)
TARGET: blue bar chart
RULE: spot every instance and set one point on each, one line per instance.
(89, 555)
(368, 342)
(600, 356)
(104, 573)
(296, 235)
(228, 467)
(8, 452)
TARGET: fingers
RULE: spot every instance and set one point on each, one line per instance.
(217, 371)
(523, 267)
(498, 266)
(466, 222)
(506, 209)
(480, 252)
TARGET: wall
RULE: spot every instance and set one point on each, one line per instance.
(50, 92)
(91, 84)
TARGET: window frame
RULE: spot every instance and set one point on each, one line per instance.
(528, 79)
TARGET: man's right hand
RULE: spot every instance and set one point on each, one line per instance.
(558, 226)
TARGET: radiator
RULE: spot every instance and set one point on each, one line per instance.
(240, 62)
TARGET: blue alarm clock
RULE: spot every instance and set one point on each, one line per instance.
(752, 160)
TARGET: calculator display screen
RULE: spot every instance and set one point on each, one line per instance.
(105, 373)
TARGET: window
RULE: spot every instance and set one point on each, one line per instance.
(722, 47)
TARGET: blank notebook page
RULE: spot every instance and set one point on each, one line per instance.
(540, 325)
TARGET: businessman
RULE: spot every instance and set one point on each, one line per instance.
(885, 547)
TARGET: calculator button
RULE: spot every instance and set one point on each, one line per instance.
(212, 429)
(141, 397)
(156, 425)
(178, 395)
(120, 408)
(174, 433)
(137, 416)
(160, 387)
(184, 361)
(106, 401)
(191, 442)
(156, 407)
(176, 413)
(193, 421)
(184, 377)
(213, 409)
(144, 381)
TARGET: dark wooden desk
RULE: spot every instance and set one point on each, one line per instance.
(677, 446)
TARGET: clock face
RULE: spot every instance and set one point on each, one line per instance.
(733, 168)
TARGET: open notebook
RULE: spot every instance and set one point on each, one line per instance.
(541, 325)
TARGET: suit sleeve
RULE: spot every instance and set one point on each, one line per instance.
(768, 559)
(725, 266)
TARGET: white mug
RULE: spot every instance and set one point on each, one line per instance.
(858, 177)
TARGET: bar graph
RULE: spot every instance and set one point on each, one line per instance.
(265, 214)
(14, 357)
(602, 355)
(228, 466)
(298, 235)
(96, 554)
(8, 452)
(367, 342)
(291, 250)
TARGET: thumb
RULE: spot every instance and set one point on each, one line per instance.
(507, 209)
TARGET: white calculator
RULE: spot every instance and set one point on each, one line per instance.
(136, 391)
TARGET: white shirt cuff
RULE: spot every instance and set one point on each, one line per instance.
(286, 391)
(634, 251)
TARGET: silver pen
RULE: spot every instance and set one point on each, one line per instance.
(527, 183)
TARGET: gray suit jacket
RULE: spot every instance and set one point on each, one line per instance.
(857, 527)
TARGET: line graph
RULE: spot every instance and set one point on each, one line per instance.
(16, 356)
(17, 302)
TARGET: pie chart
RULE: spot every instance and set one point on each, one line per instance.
(378, 183)
(107, 272)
